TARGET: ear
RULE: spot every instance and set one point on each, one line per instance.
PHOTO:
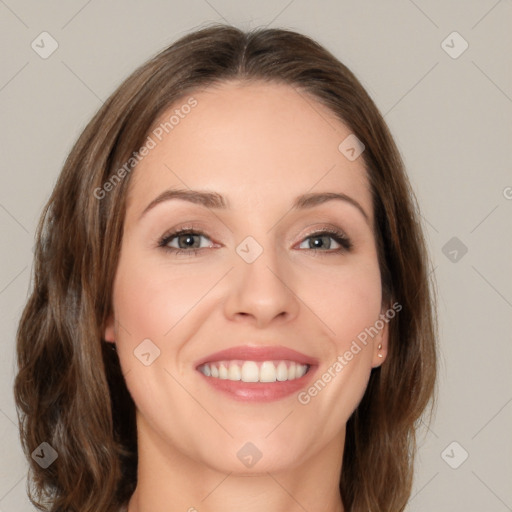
(381, 341)
(109, 334)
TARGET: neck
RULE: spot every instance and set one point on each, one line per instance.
(169, 481)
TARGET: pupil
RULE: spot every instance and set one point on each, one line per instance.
(319, 241)
(188, 240)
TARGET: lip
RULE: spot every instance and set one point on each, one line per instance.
(258, 391)
(258, 353)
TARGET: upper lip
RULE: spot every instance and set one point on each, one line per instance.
(258, 353)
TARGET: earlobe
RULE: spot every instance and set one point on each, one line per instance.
(109, 332)
(379, 355)
(380, 347)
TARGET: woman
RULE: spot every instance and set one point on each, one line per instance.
(231, 304)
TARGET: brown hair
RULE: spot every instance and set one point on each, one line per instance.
(69, 389)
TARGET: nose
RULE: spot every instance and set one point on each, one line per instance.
(262, 292)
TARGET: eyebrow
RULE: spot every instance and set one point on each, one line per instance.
(213, 200)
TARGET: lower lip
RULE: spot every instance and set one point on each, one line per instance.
(259, 391)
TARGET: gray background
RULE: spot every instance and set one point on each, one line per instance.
(451, 120)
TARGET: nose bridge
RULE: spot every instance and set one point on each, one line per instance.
(260, 286)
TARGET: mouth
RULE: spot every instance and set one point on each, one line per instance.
(255, 373)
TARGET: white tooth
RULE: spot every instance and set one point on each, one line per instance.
(223, 371)
(250, 372)
(282, 372)
(301, 370)
(267, 372)
(234, 372)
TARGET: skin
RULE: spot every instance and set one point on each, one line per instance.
(260, 146)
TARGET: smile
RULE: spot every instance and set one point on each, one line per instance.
(257, 373)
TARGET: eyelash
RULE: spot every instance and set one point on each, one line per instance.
(338, 236)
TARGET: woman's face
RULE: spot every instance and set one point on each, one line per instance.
(271, 280)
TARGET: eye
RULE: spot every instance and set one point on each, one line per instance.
(183, 241)
(188, 241)
(321, 241)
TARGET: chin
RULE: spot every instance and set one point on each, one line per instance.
(254, 455)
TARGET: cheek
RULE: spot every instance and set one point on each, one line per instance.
(347, 300)
(348, 305)
(156, 302)
(150, 300)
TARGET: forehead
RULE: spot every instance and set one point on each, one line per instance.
(256, 143)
